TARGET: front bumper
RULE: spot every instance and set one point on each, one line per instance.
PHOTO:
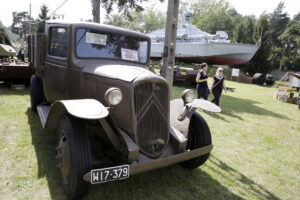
(147, 164)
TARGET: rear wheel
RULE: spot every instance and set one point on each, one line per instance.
(36, 92)
(74, 156)
(199, 136)
(299, 100)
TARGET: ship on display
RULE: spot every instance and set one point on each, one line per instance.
(194, 45)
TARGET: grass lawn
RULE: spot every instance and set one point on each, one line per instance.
(256, 154)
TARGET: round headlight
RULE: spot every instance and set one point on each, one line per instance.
(188, 96)
(113, 96)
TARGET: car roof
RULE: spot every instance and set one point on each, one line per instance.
(92, 25)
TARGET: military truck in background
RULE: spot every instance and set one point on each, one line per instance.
(113, 117)
(12, 70)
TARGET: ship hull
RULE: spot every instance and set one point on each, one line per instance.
(213, 53)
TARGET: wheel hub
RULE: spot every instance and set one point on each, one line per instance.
(63, 157)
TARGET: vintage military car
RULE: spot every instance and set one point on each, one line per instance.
(185, 76)
(113, 117)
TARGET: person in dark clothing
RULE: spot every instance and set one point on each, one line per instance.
(217, 86)
(20, 55)
(201, 80)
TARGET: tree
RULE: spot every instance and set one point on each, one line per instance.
(44, 13)
(20, 23)
(145, 21)
(243, 32)
(3, 37)
(124, 7)
(239, 33)
(8, 36)
(278, 23)
(43, 16)
(260, 61)
(291, 40)
(214, 15)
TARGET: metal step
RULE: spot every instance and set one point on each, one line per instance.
(43, 111)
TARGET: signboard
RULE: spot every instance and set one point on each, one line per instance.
(128, 54)
(95, 38)
(235, 72)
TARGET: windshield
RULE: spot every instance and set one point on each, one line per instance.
(97, 44)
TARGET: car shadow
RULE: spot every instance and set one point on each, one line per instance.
(172, 182)
(44, 145)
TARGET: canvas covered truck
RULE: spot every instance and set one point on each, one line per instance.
(113, 117)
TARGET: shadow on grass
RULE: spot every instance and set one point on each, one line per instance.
(6, 90)
(216, 115)
(44, 145)
(236, 177)
(173, 182)
(231, 106)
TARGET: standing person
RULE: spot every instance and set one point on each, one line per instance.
(217, 86)
(201, 81)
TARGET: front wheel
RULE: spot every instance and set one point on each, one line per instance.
(199, 136)
(74, 156)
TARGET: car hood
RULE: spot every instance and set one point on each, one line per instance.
(121, 72)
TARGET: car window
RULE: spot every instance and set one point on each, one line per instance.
(58, 44)
(98, 44)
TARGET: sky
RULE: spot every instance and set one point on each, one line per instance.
(81, 9)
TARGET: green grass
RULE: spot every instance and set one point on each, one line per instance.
(255, 156)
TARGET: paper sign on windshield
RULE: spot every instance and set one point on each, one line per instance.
(128, 54)
(95, 38)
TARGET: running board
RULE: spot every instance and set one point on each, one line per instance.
(43, 111)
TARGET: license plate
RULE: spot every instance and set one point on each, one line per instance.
(109, 174)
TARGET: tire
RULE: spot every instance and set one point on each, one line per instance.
(199, 136)
(298, 100)
(36, 92)
(74, 156)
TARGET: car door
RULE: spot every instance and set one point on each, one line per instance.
(55, 70)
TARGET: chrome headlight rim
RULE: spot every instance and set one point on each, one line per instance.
(113, 96)
(188, 96)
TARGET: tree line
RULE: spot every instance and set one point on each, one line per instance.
(277, 33)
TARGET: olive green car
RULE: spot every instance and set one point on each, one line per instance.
(112, 115)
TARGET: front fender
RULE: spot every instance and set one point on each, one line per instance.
(177, 109)
(181, 114)
(89, 109)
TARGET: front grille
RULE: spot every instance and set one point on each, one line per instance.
(152, 117)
